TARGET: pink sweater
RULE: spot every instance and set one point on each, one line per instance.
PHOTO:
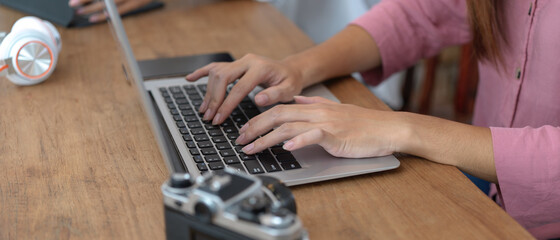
(521, 103)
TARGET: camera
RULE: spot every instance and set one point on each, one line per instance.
(229, 205)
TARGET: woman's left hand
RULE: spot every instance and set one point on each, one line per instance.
(343, 130)
(95, 9)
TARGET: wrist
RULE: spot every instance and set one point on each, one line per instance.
(306, 66)
(406, 138)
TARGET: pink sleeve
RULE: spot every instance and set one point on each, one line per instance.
(408, 30)
(528, 168)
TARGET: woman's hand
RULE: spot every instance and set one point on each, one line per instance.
(95, 9)
(342, 130)
(280, 80)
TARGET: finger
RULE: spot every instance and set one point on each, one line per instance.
(218, 81)
(283, 92)
(239, 91)
(201, 72)
(311, 100)
(284, 132)
(314, 136)
(272, 118)
(91, 8)
(76, 3)
(197, 74)
(98, 17)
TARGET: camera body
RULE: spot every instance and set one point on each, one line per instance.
(229, 205)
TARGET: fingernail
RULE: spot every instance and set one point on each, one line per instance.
(240, 139)
(93, 18)
(207, 115)
(248, 147)
(288, 145)
(81, 11)
(203, 106)
(244, 128)
(73, 3)
(217, 119)
(188, 76)
(261, 99)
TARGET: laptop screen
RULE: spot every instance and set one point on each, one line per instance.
(133, 74)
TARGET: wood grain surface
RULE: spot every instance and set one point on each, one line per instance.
(78, 160)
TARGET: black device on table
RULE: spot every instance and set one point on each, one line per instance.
(229, 205)
(58, 11)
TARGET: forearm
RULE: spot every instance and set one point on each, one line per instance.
(351, 50)
(465, 146)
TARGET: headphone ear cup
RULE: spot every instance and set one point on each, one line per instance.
(33, 23)
(33, 56)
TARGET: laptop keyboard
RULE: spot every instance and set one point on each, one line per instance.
(213, 146)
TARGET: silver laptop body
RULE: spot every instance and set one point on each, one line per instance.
(315, 163)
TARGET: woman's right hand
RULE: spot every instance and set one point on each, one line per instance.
(281, 82)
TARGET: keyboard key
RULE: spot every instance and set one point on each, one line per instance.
(230, 129)
(188, 87)
(181, 101)
(209, 126)
(205, 144)
(286, 158)
(185, 107)
(187, 112)
(194, 124)
(187, 137)
(195, 97)
(231, 160)
(194, 151)
(179, 96)
(290, 165)
(201, 137)
(238, 167)
(222, 146)
(278, 150)
(175, 89)
(265, 156)
(198, 131)
(216, 165)
(215, 132)
(227, 153)
(227, 123)
(168, 100)
(252, 113)
(219, 139)
(180, 124)
(233, 136)
(202, 167)
(208, 151)
(212, 158)
(191, 118)
(177, 117)
(238, 149)
(271, 165)
(198, 159)
(246, 157)
(190, 144)
(201, 87)
(184, 130)
(247, 106)
(162, 90)
(174, 111)
(254, 167)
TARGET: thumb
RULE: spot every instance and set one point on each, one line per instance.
(274, 94)
(310, 100)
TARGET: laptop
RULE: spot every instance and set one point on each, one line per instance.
(188, 144)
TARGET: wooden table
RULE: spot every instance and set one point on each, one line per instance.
(78, 160)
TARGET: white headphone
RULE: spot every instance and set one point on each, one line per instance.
(28, 54)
